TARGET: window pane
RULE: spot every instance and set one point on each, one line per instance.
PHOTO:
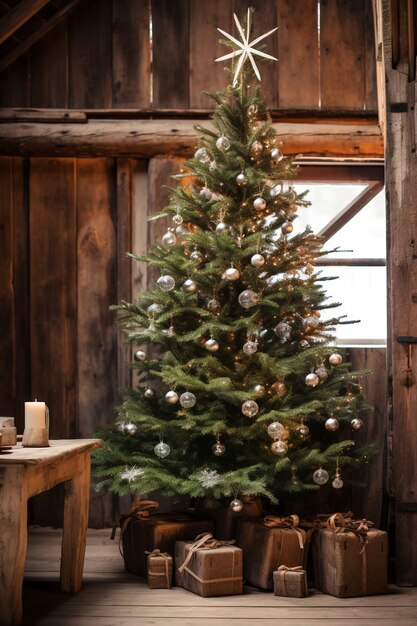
(362, 294)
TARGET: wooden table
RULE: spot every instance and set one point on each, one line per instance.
(24, 473)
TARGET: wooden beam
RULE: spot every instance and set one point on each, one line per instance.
(147, 138)
(38, 34)
(19, 15)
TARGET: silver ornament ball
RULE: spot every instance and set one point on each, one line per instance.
(236, 505)
(250, 347)
(356, 423)
(211, 345)
(257, 260)
(259, 390)
(250, 408)
(222, 227)
(169, 239)
(140, 355)
(218, 449)
(331, 424)
(149, 393)
(283, 331)
(320, 476)
(337, 483)
(322, 373)
(154, 308)
(202, 155)
(130, 429)
(171, 397)
(166, 282)
(241, 179)
(275, 430)
(223, 144)
(276, 154)
(256, 149)
(213, 305)
(279, 447)
(189, 286)
(196, 256)
(205, 193)
(335, 359)
(248, 298)
(187, 400)
(162, 449)
(231, 274)
(259, 204)
(312, 380)
(177, 219)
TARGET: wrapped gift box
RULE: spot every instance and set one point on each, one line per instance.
(268, 543)
(291, 582)
(349, 562)
(208, 567)
(159, 567)
(226, 521)
(140, 534)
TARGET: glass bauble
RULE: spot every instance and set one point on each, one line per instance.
(231, 274)
(287, 228)
(187, 399)
(181, 230)
(223, 144)
(169, 239)
(130, 429)
(331, 424)
(250, 408)
(275, 430)
(250, 347)
(213, 305)
(140, 355)
(162, 449)
(320, 476)
(149, 393)
(276, 154)
(256, 149)
(202, 155)
(312, 380)
(211, 345)
(177, 219)
(259, 390)
(322, 373)
(189, 286)
(303, 429)
(335, 359)
(356, 423)
(166, 282)
(337, 483)
(236, 505)
(154, 308)
(283, 332)
(248, 298)
(171, 397)
(241, 179)
(279, 447)
(222, 227)
(257, 260)
(259, 204)
(218, 449)
(205, 193)
(197, 257)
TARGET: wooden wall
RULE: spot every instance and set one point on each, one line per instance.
(98, 57)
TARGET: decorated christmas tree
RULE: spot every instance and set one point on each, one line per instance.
(246, 393)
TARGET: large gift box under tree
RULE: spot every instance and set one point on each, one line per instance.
(268, 543)
(209, 567)
(226, 520)
(350, 557)
(142, 532)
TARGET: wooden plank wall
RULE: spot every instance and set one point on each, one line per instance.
(99, 56)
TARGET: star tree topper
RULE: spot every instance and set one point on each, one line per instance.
(246, 48)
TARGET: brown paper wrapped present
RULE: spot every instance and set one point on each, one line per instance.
(350, 557)
(159, 566)
(209, 567)
(141, 532)
(291, 582)
(269, 543)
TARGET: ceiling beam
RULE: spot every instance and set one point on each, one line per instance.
(19, 15)
(38, 34)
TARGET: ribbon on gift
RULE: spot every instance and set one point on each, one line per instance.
(139, 510)
(344, 523)
(206, 541)
(166, 557)
(283, 569)
(291, 522)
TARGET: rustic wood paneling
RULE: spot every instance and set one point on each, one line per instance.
(265, 18)
(48, 69)
(90, 54)
(131, 54)
(342, 54)
(205, 17)
(371, 56)
(170, 61)
(53, 297)
(14, 84)
(298, 81)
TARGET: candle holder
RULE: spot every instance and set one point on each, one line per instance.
(37, 437)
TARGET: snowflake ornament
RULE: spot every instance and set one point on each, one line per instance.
(209, 478)
(132, 473)
(246, 47)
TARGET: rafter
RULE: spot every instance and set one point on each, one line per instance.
(18, 16)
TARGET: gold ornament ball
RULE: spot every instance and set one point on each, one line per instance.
(189, 286)
(218, 449)
(312, 380)
(287, 228)
(280, 389)
(279, 447)
(259, 390)
(335, 359)
(257, 260)
(303, 429)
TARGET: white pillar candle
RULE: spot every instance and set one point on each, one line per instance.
(35, 416)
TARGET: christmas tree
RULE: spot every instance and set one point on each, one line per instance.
(246, 393)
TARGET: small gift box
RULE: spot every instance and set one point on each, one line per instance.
(290, 581)
(142, 531)
(209, 567)
(159, 566)
(269, 543)
(350, 557)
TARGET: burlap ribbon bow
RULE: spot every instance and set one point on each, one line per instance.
(206, 541)
(291, 522)
(166, 556)
(283, 569)
(344, 523)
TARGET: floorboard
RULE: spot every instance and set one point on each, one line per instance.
(112, 597)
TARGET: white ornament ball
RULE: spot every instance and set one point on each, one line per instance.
(205, 193)
(257, 260)
(197, 257)
(169, 239)
(162, 449)
(166, 282)
(250, 347)
(189, 286)
(335, 359)
(287, 228)
(171, 397)
(276, 154)
(250, 408)
(140, 355)
(231, 274)
(331, 424)
(241, 179)
(312, 380)
(222, 227)
(279, 447)
(248, 299)
(213, 305)
(337, 483)
(187, 400)
(202, 155)
(149, 393)
(211, 345)
(320, 476)
(218, 449)
(177, 219)
(236, 505)
(259, 204)
(356, 423)
(275, 430)
(130, 429)
(223, 144)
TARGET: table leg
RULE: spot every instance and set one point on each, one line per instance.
(13, 542)
(74, 534)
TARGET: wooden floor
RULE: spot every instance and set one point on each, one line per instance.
(111, 597)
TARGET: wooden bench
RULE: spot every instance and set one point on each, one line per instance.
(25, 472)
